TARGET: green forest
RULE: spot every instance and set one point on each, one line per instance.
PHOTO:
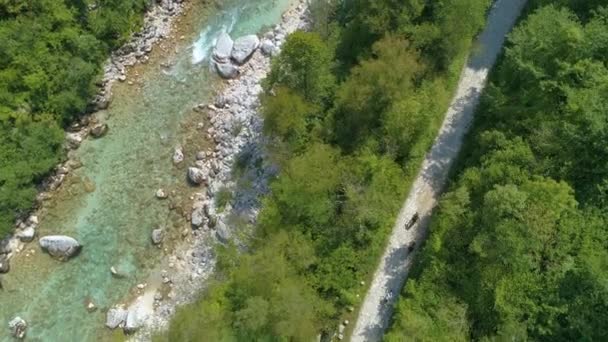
(39, 95)
(518, 248)
(351, 109)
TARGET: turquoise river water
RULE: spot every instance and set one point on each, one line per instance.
(109, 203)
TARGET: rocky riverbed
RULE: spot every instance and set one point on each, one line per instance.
(236, 129)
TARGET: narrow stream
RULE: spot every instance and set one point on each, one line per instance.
(109, 203)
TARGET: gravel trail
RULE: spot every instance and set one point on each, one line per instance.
(391, 274)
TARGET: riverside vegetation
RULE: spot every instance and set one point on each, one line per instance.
(39, 93)
(519, 246)
(350, 109)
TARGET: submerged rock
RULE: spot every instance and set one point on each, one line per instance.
(60, 246)
(116, 317)
(244, 47)
(91, 307)
(5, 266)
(227, 70)
(223, 48)
(99, 130)
(118, 273)
(18, 327)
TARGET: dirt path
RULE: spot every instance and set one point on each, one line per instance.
(391, 274)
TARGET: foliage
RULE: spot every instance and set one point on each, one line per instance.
(518, 245)
(28, 152)
(50, 57)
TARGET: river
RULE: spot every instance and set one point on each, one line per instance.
(109, 203)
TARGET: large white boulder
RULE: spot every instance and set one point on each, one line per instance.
(60, 246)
(223, 48)
(244, 47)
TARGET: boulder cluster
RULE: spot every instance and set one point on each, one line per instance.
(229, 55)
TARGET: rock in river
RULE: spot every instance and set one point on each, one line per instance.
(223, 48)
(4, 264)
(27, 234)
(157, 236)
(116, 317)
(196, 175)
(18, 327)
(178, 155)
(60, 246)
(99, 130)
(74, 139)
(227, 70)
(161, 194)
(244, 47)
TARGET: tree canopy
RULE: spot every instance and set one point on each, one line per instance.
(518, 246)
